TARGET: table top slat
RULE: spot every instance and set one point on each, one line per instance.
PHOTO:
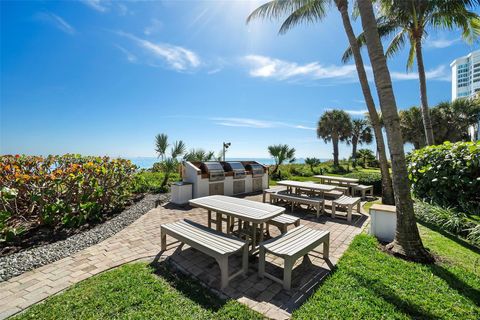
(306, 185)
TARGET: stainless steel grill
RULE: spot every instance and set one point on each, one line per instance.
(214, 169)
(256, 169)
(237, 168)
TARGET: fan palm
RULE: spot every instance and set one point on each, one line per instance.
(408, 20)
(281, 153)
(411, 126)
(361, 133)
(366, 156)
(312, 162)
(311, 11)
(335, 126)
(407, 242)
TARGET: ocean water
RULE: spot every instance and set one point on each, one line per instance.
(147, 162)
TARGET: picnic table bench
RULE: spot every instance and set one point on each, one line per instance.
(291, 246)
(348, 203)
(294, 199)
(208, 241)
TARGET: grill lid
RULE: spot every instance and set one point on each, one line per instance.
(237, 168)
(257, 169)
(215, 170)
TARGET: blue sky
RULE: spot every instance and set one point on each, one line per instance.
(99, 77)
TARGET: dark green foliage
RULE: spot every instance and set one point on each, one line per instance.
(151, 182)
(365, 158)
(448, 175)
(368, 178)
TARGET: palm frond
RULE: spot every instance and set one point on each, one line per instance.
(313, 11)
(161, 144)
(178, 149)
(397, 44)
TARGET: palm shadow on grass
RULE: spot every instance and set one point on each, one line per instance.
(380, 290)
(450, 236)
(189, 287)
(456, 284)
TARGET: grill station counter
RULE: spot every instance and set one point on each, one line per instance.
(224, 177)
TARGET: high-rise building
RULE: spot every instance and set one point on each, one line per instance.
(466, 75)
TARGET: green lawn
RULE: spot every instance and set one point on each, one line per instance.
(367, 284)
(135, 291)
(370, 284)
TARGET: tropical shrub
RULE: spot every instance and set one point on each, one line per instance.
(67, 190)
(449, 220)
(447, 174)
(368, 178)
(151, 182)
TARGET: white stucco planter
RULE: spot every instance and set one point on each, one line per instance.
(383, 222)
(181, 192)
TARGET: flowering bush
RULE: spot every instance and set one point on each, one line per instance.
(64, 190)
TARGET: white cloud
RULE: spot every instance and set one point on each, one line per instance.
(255, 123)
(154, 27)
(356, 112)
(440, 73)
(130, 56)
(176, 57)
(267, 67)
(441, 43)
(97, 5)
(56, 21)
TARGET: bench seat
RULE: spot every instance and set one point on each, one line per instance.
(208, 241)
(348, 203)
(363, 189)
(283, 221)
(270, 191)
(294, 199)
(290, 246)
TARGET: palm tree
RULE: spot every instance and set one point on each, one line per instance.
(361, 133)
(335, 126)
(168, 164)
(312, 162)
(407, 242)
(366, 156)
(411, 126)
(161, 145)
(453, 119)
(409, 20)
(315, 10)
(199, 155)
(280, 154)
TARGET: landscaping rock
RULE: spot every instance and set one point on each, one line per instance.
(18, 263)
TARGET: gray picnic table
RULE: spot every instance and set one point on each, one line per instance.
(251, 212)
(315, 187)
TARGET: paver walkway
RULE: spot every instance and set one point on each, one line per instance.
(142, 239)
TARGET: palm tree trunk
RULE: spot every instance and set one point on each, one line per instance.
(407, 242)
(427, 122)
(354, 148)
(335, 151)
(387, 189)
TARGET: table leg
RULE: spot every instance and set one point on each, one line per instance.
(209, 218)
(219, 221)
(229, 225)
(254, 235)
(261, 233)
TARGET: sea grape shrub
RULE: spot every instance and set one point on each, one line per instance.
(447, 174)
(67, 190)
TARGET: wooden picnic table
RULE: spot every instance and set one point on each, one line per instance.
(248, 211)
(315, 187)
(328, 179)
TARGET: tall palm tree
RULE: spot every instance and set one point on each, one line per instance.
(361, 133)
(409, 20)
(335, 126)
(313, 11)
(407, 242)
(281, 153)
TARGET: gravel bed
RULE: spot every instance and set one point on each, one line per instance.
(15, 264)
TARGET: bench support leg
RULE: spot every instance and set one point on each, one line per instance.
(163, 239)
(326, 247)
(264, 195)
(287, 273)
(333, 209)
(358, 207)
(261, 262)
(349, 213)
(223, 264)
(245, 259)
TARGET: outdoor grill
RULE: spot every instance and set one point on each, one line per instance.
(256, 169)
(214, 170)
(237, 168)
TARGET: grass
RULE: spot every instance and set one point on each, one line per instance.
(370, 284)
(138, 291)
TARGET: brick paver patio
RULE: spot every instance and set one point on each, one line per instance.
(141, 240)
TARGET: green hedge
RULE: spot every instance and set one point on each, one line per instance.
(447, 174)
(368, 178)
